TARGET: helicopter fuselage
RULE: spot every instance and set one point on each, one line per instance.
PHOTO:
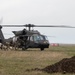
(31, 39)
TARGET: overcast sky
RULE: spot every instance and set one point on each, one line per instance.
(41, 12)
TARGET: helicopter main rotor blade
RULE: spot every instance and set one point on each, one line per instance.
(31, 25)
(17, 25)
(61, 26)
(12, 25)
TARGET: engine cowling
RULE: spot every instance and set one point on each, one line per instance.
(22, 32)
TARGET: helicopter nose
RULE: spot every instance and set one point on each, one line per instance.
(45, 42)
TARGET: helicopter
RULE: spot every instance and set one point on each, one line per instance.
(28, 38)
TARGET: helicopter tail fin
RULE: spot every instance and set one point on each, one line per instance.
(1, 36)
(1, 33)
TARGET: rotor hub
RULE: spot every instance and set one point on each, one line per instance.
(29, 26)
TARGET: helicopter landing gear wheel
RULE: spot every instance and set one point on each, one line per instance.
(41, 49)
(24, 49)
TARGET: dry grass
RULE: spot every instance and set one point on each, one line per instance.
(16, 62)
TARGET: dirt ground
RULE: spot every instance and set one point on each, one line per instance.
(66, 65)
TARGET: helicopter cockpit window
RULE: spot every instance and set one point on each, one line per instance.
(46, 38)
(38, 38)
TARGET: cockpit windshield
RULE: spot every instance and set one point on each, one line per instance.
(46, 38)
(38, 37)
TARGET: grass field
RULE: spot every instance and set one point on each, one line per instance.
(16, 62)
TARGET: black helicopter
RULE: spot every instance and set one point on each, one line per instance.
(28, 38)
